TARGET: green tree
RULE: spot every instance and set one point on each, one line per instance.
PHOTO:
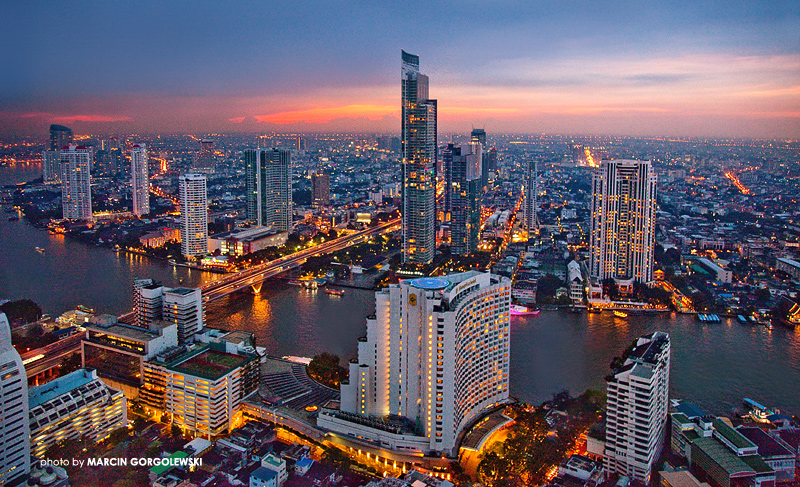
(325, 368)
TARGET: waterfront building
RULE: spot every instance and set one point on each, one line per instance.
(268, 175)
(77, 405)
(623, 221)
(51, 166)
(726, 457)
(462, 167)
(15, 435)
(320, 190)
(184, 307)
(201, 388)
(140, 182)
(241, 242)
(60, 137)
(194, 215)
(638, 397)
(418, 140)
(118, 351)
(148, 299)
(531, 188)
(435, 357)
(575, 282)
(76, 185)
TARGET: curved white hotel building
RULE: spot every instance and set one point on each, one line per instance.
(435, 356)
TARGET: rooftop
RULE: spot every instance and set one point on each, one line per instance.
(41, 394)
(210, 364)
(723, 456)
(125, 331)
(159, 469)
(732, 435)
(767, 446)
(263, 474)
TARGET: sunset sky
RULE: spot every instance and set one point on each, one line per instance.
(687, 68)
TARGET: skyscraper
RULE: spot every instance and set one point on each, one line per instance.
(638, 397)
(623, 221)
(478, 135)
(418, 140)
(148, 298)
(269, 187)
(320, 190)
(436, 354)
(194, 215)
(15, 432)
(76, 185)
(60, 137)
(205, 159)
(462, 166)
(51, 166)
(531, 188)
(140, 182)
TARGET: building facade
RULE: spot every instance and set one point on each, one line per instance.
(15, 434)
(638, 398)
(201, 389)
(436, 355)
(320, 190)
(184, 308)
(194, 215)
(76, 183)
(83, 407)
(462, 167)
(51, 166)
(60, 137)
(531, 188)
(418, 141)
(623, 221)
(269, 187)
(140, 182)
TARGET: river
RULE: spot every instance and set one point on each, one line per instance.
(715, 365)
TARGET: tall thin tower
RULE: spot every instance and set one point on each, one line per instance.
(623, 221)
(418, 141)
(531, 188)
(140, 182)
(194, 215)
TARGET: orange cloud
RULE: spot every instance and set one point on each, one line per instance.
(236, 119)
(322, 115)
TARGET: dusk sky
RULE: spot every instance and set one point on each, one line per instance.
(677, 68)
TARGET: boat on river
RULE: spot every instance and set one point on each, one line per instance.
(518, 310)
(620, 314)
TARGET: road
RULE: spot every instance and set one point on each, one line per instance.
(50, 356)
(255, 275)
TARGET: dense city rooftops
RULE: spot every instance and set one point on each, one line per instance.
(767, 446)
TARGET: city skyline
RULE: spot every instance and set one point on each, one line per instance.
(682, 70)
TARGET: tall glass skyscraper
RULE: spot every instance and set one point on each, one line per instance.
(462, 165)
(15, 433)
(531, 187)
(60, 137)
(418, 141)
(268, 174)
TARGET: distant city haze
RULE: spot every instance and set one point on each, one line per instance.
(580, 67)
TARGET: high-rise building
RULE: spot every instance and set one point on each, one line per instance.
(75, 406)
(531, 188)
(147, 302)
(269, 187)
(140, 182)
(623, 221)
(60, 137)
(320, 190)
(462, 167)
(76, 184)
(478, 135)
(418, 140)
(15, 433)
(51, 166)
(436, 355)
(205, 159)
(194, 215)
(638, 398)
(184, 307)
